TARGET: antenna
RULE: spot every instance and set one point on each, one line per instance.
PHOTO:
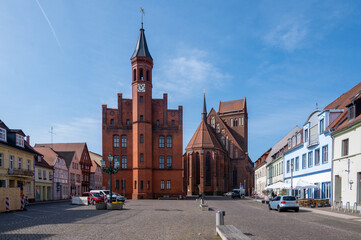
(52, 133)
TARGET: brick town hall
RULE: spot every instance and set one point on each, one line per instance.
(147, 138)
(145, 135)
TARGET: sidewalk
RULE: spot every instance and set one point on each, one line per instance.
(327, 212)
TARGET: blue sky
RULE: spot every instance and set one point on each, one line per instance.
(61, 60)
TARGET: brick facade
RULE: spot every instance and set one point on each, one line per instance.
(138, 131)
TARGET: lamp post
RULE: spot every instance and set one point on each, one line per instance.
(111, 169)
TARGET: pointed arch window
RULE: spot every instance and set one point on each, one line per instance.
(198, 169)
(235, 122)
(161, 141)
(208, 169)
(141, 74)
(234, 177)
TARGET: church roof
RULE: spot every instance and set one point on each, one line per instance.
(141, 50)
(204, 138)
(230, 106)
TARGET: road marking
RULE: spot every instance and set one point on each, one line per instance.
(22, 215)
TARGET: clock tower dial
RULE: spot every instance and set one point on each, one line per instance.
(141, 87)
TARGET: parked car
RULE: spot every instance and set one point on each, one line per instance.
(238, 193)
(116, 196)
(95, 197)
(228, 194)
(281, 203)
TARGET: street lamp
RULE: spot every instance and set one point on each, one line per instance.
(112, 169)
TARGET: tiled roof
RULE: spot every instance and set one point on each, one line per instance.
(48, 153)
(67, 156)
(230, 106)
(341, 103)
(203, 138)
(94, 166)
(96, 157)
(66, 147)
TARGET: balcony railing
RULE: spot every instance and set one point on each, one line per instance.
(24, 172)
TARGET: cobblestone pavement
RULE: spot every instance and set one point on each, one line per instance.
(141, 219)
(170, 219)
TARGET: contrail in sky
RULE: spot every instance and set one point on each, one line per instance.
(51, 26)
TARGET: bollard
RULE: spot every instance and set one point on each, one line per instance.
(347, 207)
(354, 208)
(26, 201)
(7, 204)
(22, 203)
(220, 217)
(340, 206)
(105, 199)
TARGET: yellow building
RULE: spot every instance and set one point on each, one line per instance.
(16, 161)
(43, 180)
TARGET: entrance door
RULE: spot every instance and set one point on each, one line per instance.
(338, 186)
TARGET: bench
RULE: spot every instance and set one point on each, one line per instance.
(230, 232)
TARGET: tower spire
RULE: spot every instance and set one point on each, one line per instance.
(204, 113)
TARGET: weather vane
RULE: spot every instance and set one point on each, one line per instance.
(143, 14)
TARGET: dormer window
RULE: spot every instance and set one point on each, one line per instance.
(19, 140)
(2, 134)
(306, 135)
(322, 125)
(351, 112)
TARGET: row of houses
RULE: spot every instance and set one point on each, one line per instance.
(325, 151)
(46, 171)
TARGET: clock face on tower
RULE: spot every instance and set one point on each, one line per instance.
(141, 87)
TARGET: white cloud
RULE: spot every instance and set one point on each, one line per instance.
(288, 35)
(187, 74)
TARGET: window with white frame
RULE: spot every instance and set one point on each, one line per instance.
(297, 160)
(39, 174)
(2, 134)
(317, 156)
(168, 184)
(288, 166)
(19, 163)
(169, 141)
(19, 140)
(304, 161)
(310, 159)
(306, 135)
(344, 150)
(322, 125)
(169, 161)
(11, 165)
(44, 174)
(161, 161)
(116, 141)
(325, 154)
(1, 160)
(162, 184)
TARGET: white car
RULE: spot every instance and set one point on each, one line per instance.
(118, 197)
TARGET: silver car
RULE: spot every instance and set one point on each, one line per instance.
(281, 203)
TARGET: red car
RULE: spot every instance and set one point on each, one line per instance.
(95, 198)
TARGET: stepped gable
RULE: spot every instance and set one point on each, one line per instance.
(204, 138)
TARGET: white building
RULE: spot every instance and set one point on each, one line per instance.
(309, 155)
(347, 150)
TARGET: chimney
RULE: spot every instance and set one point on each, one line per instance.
(28, 139)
